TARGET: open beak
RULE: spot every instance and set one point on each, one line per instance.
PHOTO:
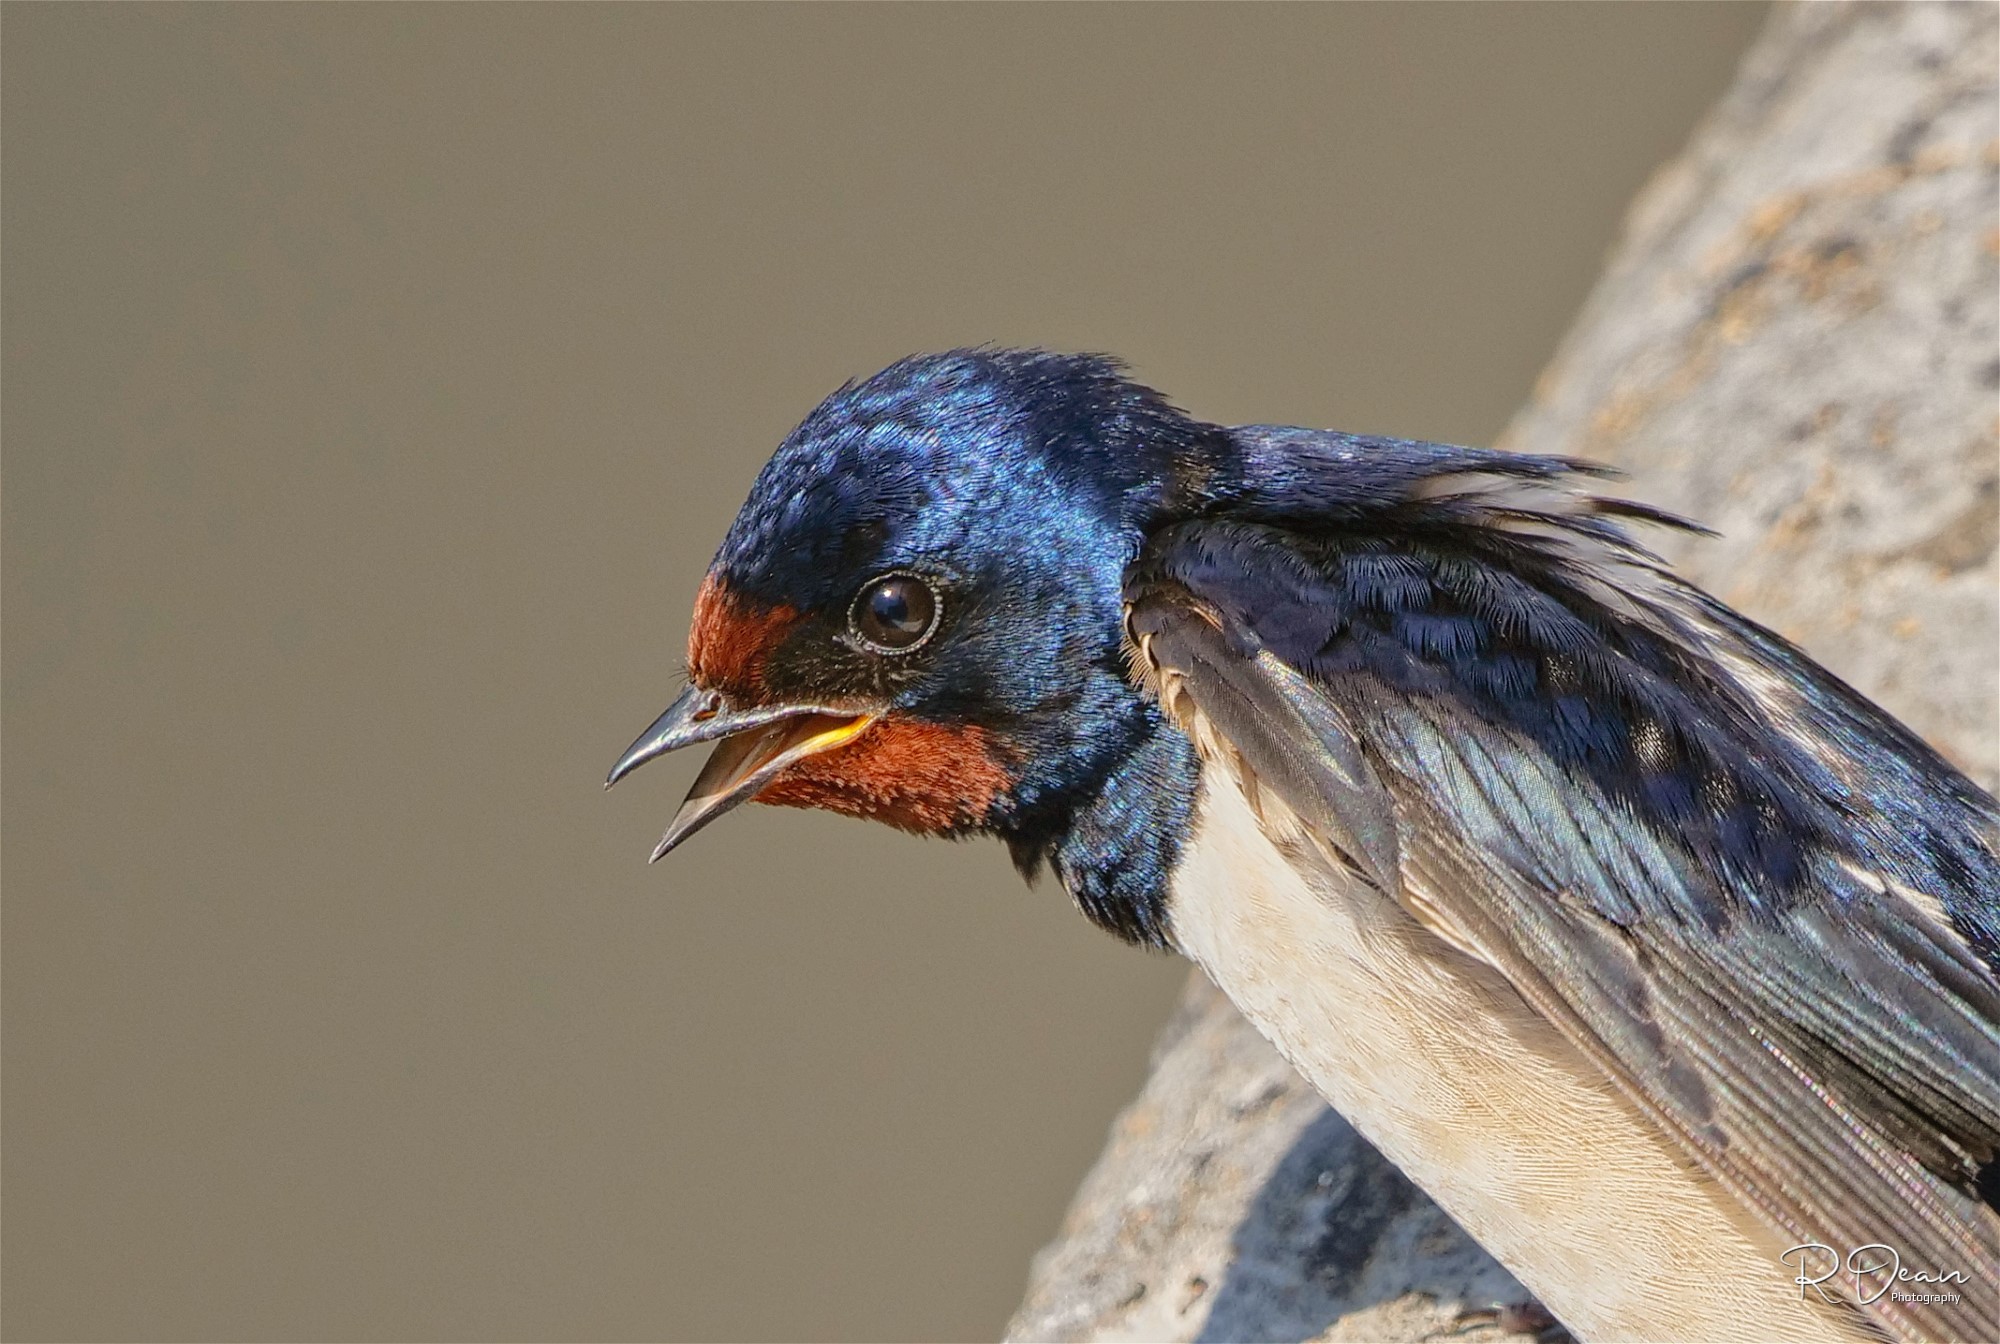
(758, 744)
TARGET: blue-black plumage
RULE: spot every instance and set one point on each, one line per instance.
(1016, 593)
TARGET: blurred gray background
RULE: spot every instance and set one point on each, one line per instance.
(378, 382)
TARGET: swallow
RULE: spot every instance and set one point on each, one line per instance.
(1664, 961)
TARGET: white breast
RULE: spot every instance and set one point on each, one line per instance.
(1438, 1062)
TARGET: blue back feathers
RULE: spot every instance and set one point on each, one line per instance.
(1490, 584)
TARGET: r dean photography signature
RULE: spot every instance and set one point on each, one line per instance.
(1874, 1270)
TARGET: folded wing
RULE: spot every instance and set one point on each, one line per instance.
(1765, 909)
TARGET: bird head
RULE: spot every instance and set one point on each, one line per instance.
(916, 615)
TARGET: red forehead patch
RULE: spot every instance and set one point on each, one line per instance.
(731, 640)
(909, 773)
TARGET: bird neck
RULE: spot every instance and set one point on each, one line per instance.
(1113, 836)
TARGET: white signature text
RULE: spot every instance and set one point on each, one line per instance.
(1874, 1270)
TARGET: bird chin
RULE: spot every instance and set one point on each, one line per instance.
(743, 764)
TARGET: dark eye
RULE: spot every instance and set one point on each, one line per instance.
(895, 613)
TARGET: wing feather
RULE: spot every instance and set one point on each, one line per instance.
(1710, 901)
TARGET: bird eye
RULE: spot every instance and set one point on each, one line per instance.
(895, 613)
